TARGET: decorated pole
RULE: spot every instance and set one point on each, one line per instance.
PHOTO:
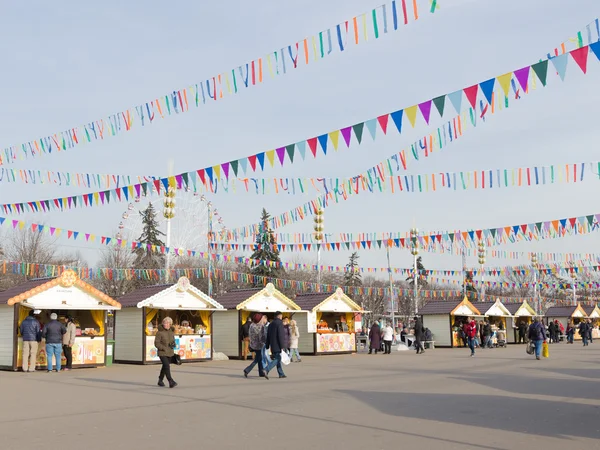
(464, 272)
(387, 249)
(209, 237)
(534, 266)
(482, 253)
(319, 227)
(169, 213)
(574, 276)
(414, 250)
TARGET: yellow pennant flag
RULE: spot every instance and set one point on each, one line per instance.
(504, 82)
(335, 137)
(411, 113)
(96, 197)
(271, 157)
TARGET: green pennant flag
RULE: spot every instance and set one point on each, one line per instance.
(358, 131)
(590, 219)
(538, 225)
(439, 103)
(145, 188)
(451, 236)
(493, 233)
(541, 70)
(107, 194)
(186, 180)
(290, 151)
(379, 243)
(234, 166)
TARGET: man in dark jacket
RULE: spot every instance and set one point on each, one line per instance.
(246, 339)
(583, 332)
(537, 334)
(419, 335)
(275, 342)
(53, 334)
(30, 330)
(522, 332)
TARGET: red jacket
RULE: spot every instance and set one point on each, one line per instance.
(471, 329)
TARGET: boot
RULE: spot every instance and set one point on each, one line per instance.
(161, 383)
(172, 384)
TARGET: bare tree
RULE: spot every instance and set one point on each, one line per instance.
(115, 286)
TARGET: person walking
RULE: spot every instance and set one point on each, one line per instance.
(164, 342)
(590, 328)
(275, 342)
(471, 331)
(245, 333)
(374, 338)
(570, 333)
(257, 339)
(522, 332)
(583, 332)
(53, 334)
(487, 335)
(388, 337)
(551, 331)
(30, 332)
(294, 338)
(419, 336)
(537, 334)
(287, 335)
(68, 341)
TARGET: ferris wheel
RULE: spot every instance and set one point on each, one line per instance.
(189, 213)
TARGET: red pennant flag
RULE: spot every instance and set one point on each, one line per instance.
(383, 122)
(157, 185)
(202, 175)
(312, 143)
(471, 93)
(581, 56)
(252, 161)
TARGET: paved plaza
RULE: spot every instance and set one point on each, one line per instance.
(501, 399)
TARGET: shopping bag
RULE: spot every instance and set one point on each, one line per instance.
(285, 358)
(530, 348)
(545, 350)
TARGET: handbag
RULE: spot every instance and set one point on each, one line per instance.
(176, 359)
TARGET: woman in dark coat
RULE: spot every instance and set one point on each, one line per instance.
(375, 338)
(165, 343)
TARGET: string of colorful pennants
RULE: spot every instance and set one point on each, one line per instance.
(373, 24)
(207, 175)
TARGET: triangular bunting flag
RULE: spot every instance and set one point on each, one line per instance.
(252, 161)
(397, 118)
(323, 141)
(471, 93)
(411, 113)
(504, 82)
(261, 160)
(280, 154)
(487, 87)
(456, 100)
(541, 70)
(335, 138)
(372, 127)
(439, 103)
(383, 122)
(234, 167)
(581, 56)
(425, 108)
(312, 144)
(270, 157)
(301, 146)
(290, 152)
(358, 131)
(560, 64)
(347, 135)
(595, 47)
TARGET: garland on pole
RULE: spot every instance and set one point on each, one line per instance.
(483, 90)
(373, 24)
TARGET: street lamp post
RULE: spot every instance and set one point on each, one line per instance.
(391, 287)
(574, 276)
(414, 250)
(169, 213)
(208, 239)
(481, 254)
(319, 227)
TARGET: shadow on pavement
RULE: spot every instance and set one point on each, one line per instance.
(540, 386)
(539, 417)
(593, 374)
(104, 380)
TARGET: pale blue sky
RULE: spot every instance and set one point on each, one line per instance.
(70, 62)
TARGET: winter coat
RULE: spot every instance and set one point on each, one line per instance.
(388, 334)
(537, 332)
(276, 338)
(419, 329)
(287, 336)
(30, 328)
(165, 341)
(53, 332)
(375, 336)
(246, 329)
(471, 329)
(69, 336)
(258, 336)
(294, 337)
(487, 330)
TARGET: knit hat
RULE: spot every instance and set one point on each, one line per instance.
(53, 316)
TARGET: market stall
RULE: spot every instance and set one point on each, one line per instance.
(496, 314)
(65, 295)
(566, 314)
(330, 322)
(143, 311)
(240, 304)
(522, 313)
(445, 319)
(593, 313)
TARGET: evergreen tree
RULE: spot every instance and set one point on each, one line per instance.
(422, 276)
(352, 276)
(265, 250)
(145, 258)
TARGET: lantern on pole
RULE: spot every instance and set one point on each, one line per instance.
(481, 253)
(169, 213)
